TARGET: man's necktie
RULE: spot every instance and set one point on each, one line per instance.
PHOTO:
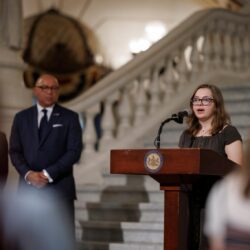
(43, 124)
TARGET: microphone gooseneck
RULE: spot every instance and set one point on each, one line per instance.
(157, 141)
(178, 118)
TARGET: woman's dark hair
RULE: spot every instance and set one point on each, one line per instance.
(221, 118)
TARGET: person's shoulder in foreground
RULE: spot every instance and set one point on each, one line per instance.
(227, 220)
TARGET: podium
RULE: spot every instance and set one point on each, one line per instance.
(178, 171)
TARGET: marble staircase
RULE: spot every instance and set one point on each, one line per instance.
(126, 213)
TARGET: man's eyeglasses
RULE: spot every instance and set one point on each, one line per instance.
(204, 101)
(46, 88)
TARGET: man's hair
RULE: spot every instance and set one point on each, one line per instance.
(41, 79)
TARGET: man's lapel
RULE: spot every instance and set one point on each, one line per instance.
(34, 126)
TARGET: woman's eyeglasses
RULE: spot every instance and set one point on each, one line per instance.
(204, 101)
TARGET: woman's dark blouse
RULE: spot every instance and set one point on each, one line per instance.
(215, 142)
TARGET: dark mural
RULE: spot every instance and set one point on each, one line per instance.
(62, 46)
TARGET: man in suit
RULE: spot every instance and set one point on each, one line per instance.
(3, 159)
(45, 143)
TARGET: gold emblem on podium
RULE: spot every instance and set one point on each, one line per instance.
(153, 161)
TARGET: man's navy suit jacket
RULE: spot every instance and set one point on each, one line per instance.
(56, 152)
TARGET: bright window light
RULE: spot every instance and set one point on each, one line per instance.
(155, 31)
(139, 45)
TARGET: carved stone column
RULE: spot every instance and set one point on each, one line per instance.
(13, 95)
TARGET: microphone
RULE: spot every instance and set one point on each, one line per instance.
(175, 117)
(183, 113)
(179, 116)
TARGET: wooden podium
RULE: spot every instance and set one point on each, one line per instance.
(179, 171)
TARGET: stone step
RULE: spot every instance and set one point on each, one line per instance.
(237, 96)
(93, 245)
(235, 91)
(138, 181)
(237, 107)
(170, 136)
(241, 120)
(140, 246)
(120, 194)
(128, 232)
(240, 93)
(113, 211)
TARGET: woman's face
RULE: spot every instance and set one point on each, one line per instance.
(203, 104)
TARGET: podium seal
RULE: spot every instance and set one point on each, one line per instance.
(153, 161)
